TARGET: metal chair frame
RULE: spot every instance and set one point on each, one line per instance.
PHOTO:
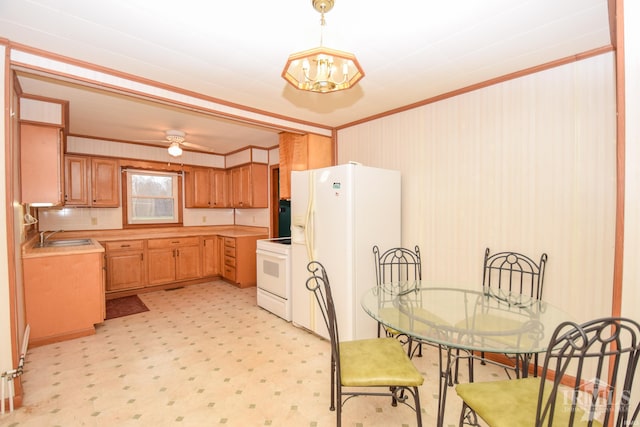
(394, 266)
(318, 283)
(592, 366)
(513, 273)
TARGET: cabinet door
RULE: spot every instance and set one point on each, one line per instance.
(249, 186)
(197, 185)
(104, 183)
(125, 270)
(210, 256)
(76, 182)
(259, 186)
(41, 164)
(240, 178)
(161, 266)
(187, 262)
(220, 186)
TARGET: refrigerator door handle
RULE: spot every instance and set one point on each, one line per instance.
(308, 226)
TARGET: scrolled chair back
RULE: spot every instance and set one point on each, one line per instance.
(513, 272)
(593, 366)
(397, 264)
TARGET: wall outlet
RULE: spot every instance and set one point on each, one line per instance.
(94, 220)
(204, 219)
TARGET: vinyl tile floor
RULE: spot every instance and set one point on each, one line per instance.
(205, 355)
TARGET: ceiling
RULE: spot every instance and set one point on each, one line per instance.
(235, 51)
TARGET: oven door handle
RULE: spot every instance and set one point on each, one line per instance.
(271, 254)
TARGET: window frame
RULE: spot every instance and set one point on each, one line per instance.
(126, 199)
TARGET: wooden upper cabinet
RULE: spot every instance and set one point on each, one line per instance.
(76, 183)
(197, 186)
(206, 188)
(240, 187)
(41, 164)
(220, 184)
(91, 181)
(104, 182)
(249, 188)
(302, 152)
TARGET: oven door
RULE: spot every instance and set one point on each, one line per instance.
(273, 273)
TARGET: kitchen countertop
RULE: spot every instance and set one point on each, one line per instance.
(30, 251)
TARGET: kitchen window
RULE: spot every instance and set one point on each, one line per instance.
(152, 198)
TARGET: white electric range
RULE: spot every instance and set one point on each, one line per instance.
(273, 264)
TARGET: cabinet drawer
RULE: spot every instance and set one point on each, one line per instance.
(230, 261)
(229, 252)
(125, 245)
(230, 242)
(229, 273)
(170, 243)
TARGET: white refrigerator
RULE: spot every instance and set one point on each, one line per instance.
(337, 215)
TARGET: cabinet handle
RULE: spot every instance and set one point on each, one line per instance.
(141, 257)
(177, 252)
(176, 241)
(125, 246)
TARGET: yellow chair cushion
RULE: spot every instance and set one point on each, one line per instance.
(513, 403)
(376, 362)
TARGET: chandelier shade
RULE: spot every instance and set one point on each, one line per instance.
(322, 69)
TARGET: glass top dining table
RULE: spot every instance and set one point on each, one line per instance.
(484, 320)
(464, 322)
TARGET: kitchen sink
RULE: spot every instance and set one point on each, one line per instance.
(63, 243)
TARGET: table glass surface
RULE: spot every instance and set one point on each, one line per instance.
(472, 319)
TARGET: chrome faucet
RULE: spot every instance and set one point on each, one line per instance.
(43, 238)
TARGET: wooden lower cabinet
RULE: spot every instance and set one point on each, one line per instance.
(239, 265)
(145, 263)
(229, 269)
(126, 265)
(64, 296)
(211, 255)
(188, 261)
(173, 259)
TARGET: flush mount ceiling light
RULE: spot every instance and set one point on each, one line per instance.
(174, 149)
(175, 137)
(322, 69)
